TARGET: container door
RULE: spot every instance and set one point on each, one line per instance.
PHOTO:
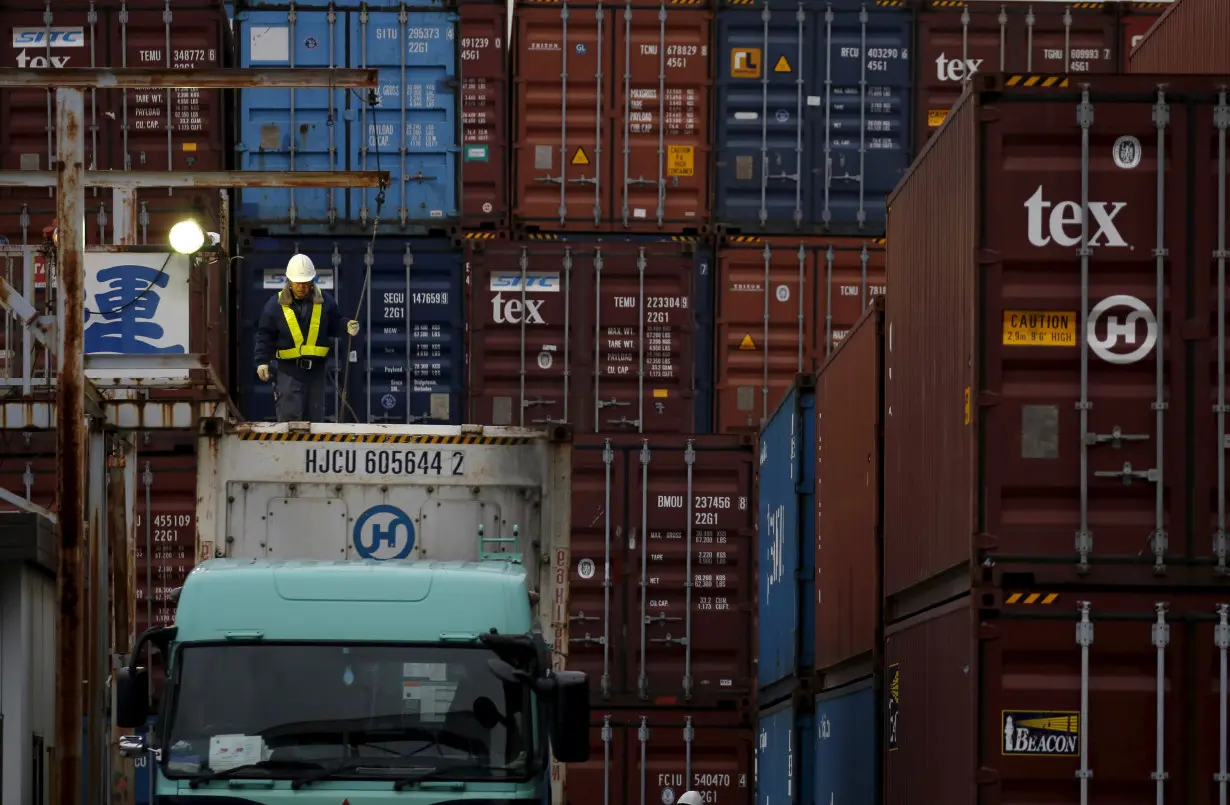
(291, 129)
(780, 464)
(846, 747)
(414, 131)
(484, 104)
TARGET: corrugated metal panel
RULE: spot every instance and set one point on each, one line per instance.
(786, 535)
(1002, 426)
(28, 614)
(849, 406)
(637, 541)
(1013, 708)
(612, 118)
(485, 160)
(410, 314)
(126, 130)
(793, 72)
(413, 133)
(1136, 18)
(598, 333)
(958, 39)
(1189, 38)
(781, 303)
(847, 746)
(784, 755)
(657, 755)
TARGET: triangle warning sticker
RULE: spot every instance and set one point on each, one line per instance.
(580, 157)
(746, 343)
(782, 65)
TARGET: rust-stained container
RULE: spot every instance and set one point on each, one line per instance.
(612, 118)
(484, 116)
(1050, 414)
(1003, 678)
(958, 39)
(849, 429)
(649, 515)
(608, 335)
(158, 130)
(1191, 37)
(664, 753)
(782, 302)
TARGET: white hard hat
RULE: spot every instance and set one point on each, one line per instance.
(300, 269)
(691, 798)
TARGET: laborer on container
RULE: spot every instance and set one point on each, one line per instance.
(296, 327)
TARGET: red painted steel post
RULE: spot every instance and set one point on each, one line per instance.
(71, 440)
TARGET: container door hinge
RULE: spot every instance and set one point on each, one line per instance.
(1115, 438)
(1219, 551)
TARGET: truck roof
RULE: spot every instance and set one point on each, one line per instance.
(357, 600)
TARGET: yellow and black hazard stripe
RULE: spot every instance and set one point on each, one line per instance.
(1032, 80)
(753, 239)
(479, 236)
(1029, 599)
(379, 438)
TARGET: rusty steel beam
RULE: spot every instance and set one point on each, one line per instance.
(124, 208)
(21, 503)
(71, 480)
(129, 180)
(12, 299)
(175, 78)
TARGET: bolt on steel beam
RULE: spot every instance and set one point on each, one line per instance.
(203, 179)
(176, 78)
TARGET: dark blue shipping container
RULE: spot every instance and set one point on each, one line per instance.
(788, 71)
(847, 762)
(410, 313)
(784, 754)
(786, 535)
(412, 132)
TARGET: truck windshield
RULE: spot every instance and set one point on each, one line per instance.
(283, 710)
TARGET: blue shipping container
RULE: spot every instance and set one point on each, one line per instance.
(411, 313)
(773, 173)
(784, 754)
(786, 536)
(847, 766)
(412, 132)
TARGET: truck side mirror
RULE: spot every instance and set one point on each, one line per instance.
(570, 717)
(131, 697)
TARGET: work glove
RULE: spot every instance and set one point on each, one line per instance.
(262, 372)
(352, 328)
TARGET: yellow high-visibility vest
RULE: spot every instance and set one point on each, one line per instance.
(301, 349)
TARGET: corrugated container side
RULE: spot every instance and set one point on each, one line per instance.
(184, 129)
(957, 40)
(649, 515)
(598, 333)
(413, 131)
(785, 535)
(785, 755)
(1136, 18)
(485, 164)
(611, 119)
(849, 411)
(1189, 38)
(1032, 708)
(664, 753)
(781, 304)
(407, 364)
(933, 218)
(846, 749)
(783, 78)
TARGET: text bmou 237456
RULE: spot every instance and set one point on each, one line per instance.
(384, 461)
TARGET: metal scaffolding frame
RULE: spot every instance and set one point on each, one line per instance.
(91, 450)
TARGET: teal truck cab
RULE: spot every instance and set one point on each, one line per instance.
(354, 683)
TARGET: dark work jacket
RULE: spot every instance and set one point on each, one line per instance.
(273, 335)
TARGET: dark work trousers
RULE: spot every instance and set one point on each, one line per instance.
(301, 398)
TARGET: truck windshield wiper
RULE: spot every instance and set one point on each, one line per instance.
(342, 766)
(260, 765)
(446, 772)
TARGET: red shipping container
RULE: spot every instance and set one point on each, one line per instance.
(599, 334)
(484, 116)
(958, 39)
(645, 511)
(663, 753)
(849, 410)
(1053, 415)
(612, 129)
(1003, 677)
(183, 129)
(782, 303)
(1191, 37)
